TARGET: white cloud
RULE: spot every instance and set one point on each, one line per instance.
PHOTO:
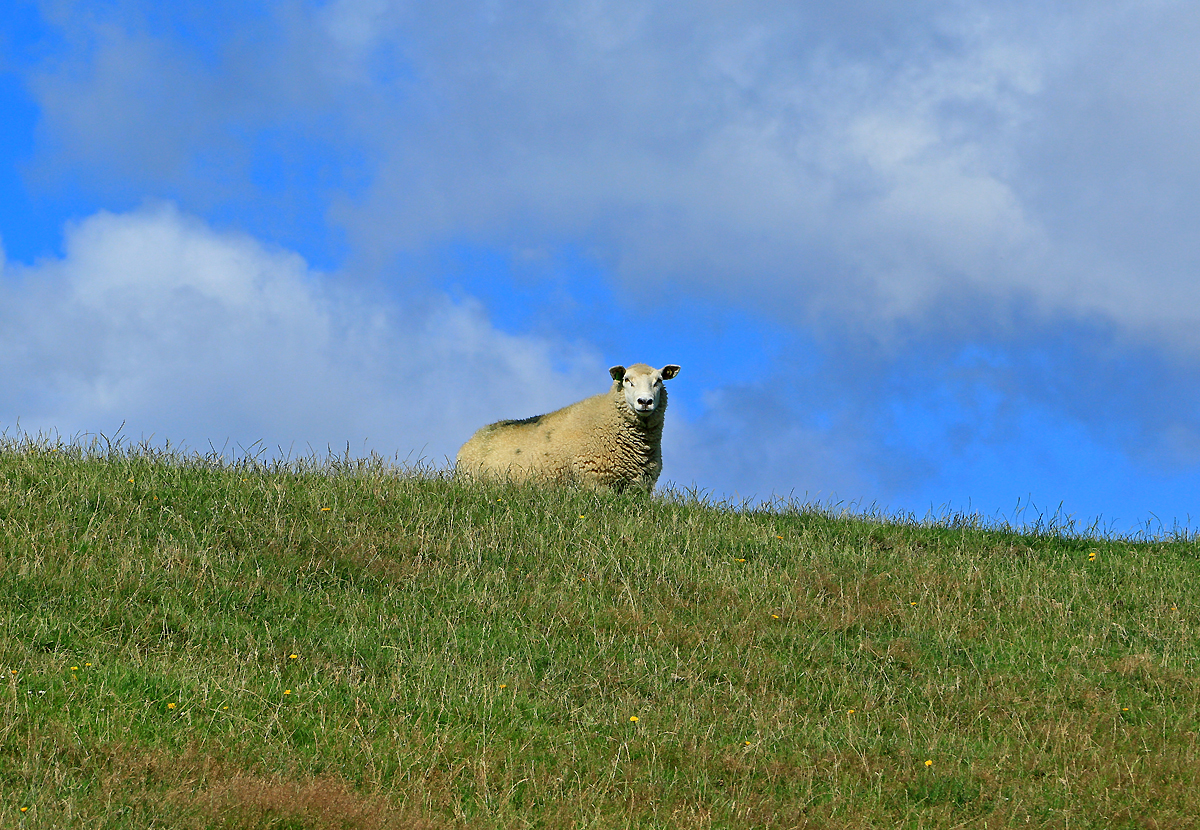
(796, 169)
(750, 446)
(153, 319)
(849, 167)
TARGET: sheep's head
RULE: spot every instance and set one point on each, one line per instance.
(643, 386)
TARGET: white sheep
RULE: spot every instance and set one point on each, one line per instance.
(613, 439)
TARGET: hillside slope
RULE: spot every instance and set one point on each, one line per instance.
(188, 643)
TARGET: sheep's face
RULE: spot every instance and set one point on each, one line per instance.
(643, 386)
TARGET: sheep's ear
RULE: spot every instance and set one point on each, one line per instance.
(669, 371)
(617, 372)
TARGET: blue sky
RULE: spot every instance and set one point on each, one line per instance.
(915, 256)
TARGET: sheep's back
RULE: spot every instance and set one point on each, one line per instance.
(588, 441)
(529, 447)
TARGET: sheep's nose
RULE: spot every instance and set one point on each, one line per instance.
(645, 401)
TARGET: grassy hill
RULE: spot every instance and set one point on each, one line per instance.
(187, 643)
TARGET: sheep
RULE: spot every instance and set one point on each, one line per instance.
(610, 440)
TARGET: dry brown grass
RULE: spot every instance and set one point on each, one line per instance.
(194, 789)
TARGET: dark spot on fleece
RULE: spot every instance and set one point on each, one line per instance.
(523, 422)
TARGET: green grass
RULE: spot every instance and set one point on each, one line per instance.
(188, 643)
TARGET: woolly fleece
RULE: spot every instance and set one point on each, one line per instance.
(599, 441)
